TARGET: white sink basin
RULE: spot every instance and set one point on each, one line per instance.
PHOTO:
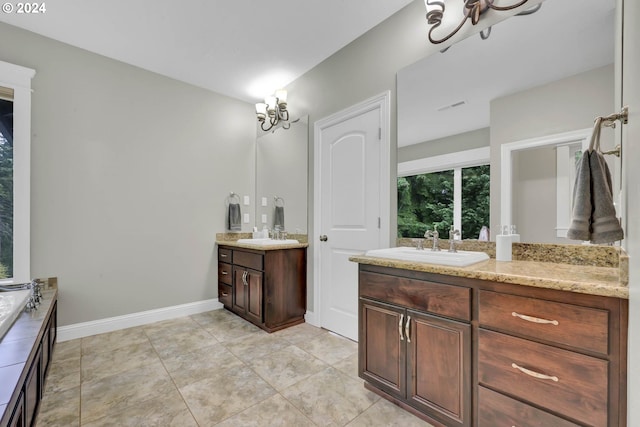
(268, 242)
(404, 253)
(11, 305)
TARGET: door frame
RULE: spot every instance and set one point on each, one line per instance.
(381, 103)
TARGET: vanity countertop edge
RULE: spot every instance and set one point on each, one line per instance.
(602, 281)
(261, 247)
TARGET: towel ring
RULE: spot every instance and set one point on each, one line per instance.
(279, 201)
(233, 197)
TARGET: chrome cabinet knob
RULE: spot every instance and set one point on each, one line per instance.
(323, 238)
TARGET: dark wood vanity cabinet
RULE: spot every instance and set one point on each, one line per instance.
(267, 288)
(411, 351)
(558, 354)
(466, 352)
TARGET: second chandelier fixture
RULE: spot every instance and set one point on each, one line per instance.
(274, 108)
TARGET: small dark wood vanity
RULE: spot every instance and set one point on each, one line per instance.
(266, 286)
(25, 357)
(465, 351)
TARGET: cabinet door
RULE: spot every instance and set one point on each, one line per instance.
(17, 419)
(254, 295)
(239, 289)
(439, 368)
(382, 350)
(32, 389)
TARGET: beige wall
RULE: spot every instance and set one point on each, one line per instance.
(562, 106)
(451, 144)
(129, 173)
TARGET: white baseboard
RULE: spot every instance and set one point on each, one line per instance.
(311, 318)
(94, 327)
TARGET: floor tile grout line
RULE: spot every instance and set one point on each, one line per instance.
(184, 401)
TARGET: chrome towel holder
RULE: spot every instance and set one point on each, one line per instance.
(610, 121)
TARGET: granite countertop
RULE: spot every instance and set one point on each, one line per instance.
(231, 239)
(262, 247)
(603, 281)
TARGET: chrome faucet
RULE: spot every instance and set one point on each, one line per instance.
(452, 241)
(435, 236)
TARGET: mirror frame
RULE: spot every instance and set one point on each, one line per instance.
(506, 151)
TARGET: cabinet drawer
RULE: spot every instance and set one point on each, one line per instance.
(224, 255)
(438, 298)
(567, 324)
(224, 294)
(248, 259)
(497, 410)
(224, 273)
(574, 385)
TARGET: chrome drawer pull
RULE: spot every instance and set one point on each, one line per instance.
(223, 255)
(534, 319)
(400, 327)
(534, 374)
(224, 273)
(407, 332)
(224, 294)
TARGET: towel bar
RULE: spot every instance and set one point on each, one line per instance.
(610, 120)
(616, 151)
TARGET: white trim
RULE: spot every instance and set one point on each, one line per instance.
(460, 159)
(85, 329)
(19, 79)
(582, 135)
(382, 103)
(311, 318)
(457, 200)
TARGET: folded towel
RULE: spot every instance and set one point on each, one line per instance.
(605, 226)
(594, 215)
(580, 228)
(234, 217)
(278, 217)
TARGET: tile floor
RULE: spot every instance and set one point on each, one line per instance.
(212, 369)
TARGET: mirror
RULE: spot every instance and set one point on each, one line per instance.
(536, 75)
(281, 176)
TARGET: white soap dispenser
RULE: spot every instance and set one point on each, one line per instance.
(515, 237)
(503, 245)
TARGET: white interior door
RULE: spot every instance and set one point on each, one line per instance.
(350, 158)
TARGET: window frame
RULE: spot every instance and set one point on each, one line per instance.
(19, 79)
(451, 161)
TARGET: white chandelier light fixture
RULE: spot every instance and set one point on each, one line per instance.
(471, 10)
(273, 110)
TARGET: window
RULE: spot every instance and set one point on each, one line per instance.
(15, 160)
(442, 191)
(6, 183)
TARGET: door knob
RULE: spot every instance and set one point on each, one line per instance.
(323, 238)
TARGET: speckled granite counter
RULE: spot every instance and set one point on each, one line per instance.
(262, 247)
(231, 239)
(603, 281)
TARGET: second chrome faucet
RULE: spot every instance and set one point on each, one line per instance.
(435, 236)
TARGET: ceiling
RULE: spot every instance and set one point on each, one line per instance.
(241, 48)
(564, 38)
